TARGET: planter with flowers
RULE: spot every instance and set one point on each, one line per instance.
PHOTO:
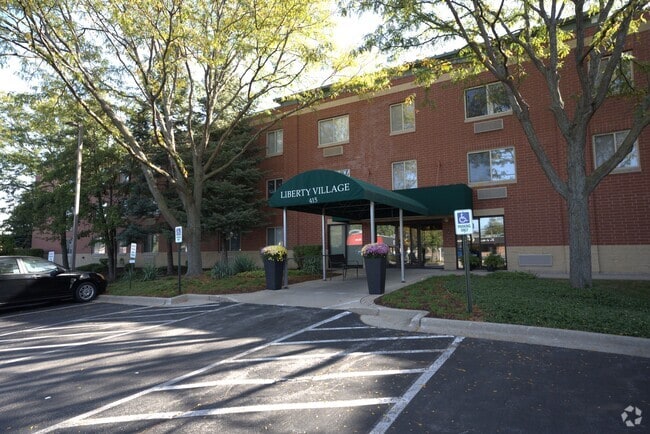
(374, 259)
(275, 259)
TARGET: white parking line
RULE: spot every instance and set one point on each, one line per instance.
(238, 410)
(381, 338)
(389, 418)
(334, 355)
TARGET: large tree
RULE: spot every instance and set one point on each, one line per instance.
(196, 65)
(511, 39)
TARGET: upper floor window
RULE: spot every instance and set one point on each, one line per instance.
(151, 244)
(486, 100)
(606, 144)
(274, 142)
(333, 131)
(234, 242)
(405, 175)
(496, 165)
(99, 248)
(402, 117)
(272, 185)
(622, 76)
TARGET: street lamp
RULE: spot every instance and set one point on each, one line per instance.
(77, 193)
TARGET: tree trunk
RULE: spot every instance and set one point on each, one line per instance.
(193, 241)
(579, 242)
(63, 242)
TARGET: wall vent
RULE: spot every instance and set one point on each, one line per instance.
(539, 260)
(485, 126)
(333, 151)
(492, 193)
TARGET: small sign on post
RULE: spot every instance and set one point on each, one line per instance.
(463, 222)
(178, 232)
(50, 256)
(134, 248)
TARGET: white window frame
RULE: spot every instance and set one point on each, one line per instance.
(490, 106)
(275, 186)
(491, 180)
(345, 172)
(274, 142)
(343, 121)
(618, 137)
(278, 235)
(403, 180)
(402, 108)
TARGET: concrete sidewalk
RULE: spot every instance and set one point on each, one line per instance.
(352, 295)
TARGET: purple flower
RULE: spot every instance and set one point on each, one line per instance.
(375, 250)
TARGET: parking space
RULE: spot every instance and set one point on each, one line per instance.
(223, 367)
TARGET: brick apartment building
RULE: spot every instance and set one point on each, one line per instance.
(450, 137)
(448, 149)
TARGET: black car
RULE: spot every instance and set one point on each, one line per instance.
(26, 279)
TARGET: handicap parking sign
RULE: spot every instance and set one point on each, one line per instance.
(463, 221)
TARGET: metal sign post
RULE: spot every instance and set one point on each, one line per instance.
(178, 230)
(463, 223)
(132, 253)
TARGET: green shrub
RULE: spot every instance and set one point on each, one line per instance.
(493, 262)
(306, 251)
(221, 270)
(312, 265)
(149, 272)
(39, 253)
(242, 263)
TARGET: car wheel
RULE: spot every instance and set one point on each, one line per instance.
(85, 291)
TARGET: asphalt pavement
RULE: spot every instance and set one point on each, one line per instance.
(351, 294)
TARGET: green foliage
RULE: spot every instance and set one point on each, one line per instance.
(149, 272)
(39, 253)
(613, 307)
(6, 245)
(312, 265)
(300, 253)
(242, 264)
(221, 270)
(94, 267)
(494, 261)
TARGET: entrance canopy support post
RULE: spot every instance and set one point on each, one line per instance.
(401, 243)
(373, 235)
(323, 244)
(284, 243)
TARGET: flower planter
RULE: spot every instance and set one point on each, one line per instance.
(375, 274)
(274, 272)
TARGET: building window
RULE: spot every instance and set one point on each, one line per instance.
(490, 99)
(99, 248)
(274, 236)
(497, 165)
(234, 242)
(488, 237)
(622, 77)
(274, 142)
(405, 175)
(345, 172)
(272, 185)
(151, 244)
(402, 117)
(333, 131)
(606, 144)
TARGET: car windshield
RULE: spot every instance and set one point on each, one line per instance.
(38, 265)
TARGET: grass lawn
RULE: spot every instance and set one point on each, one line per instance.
(613, 307)
(167, 286)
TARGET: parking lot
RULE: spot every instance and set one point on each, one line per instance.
(233, 367)
(217, 367)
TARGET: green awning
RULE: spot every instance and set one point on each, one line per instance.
(341, 196)
(441, 200)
